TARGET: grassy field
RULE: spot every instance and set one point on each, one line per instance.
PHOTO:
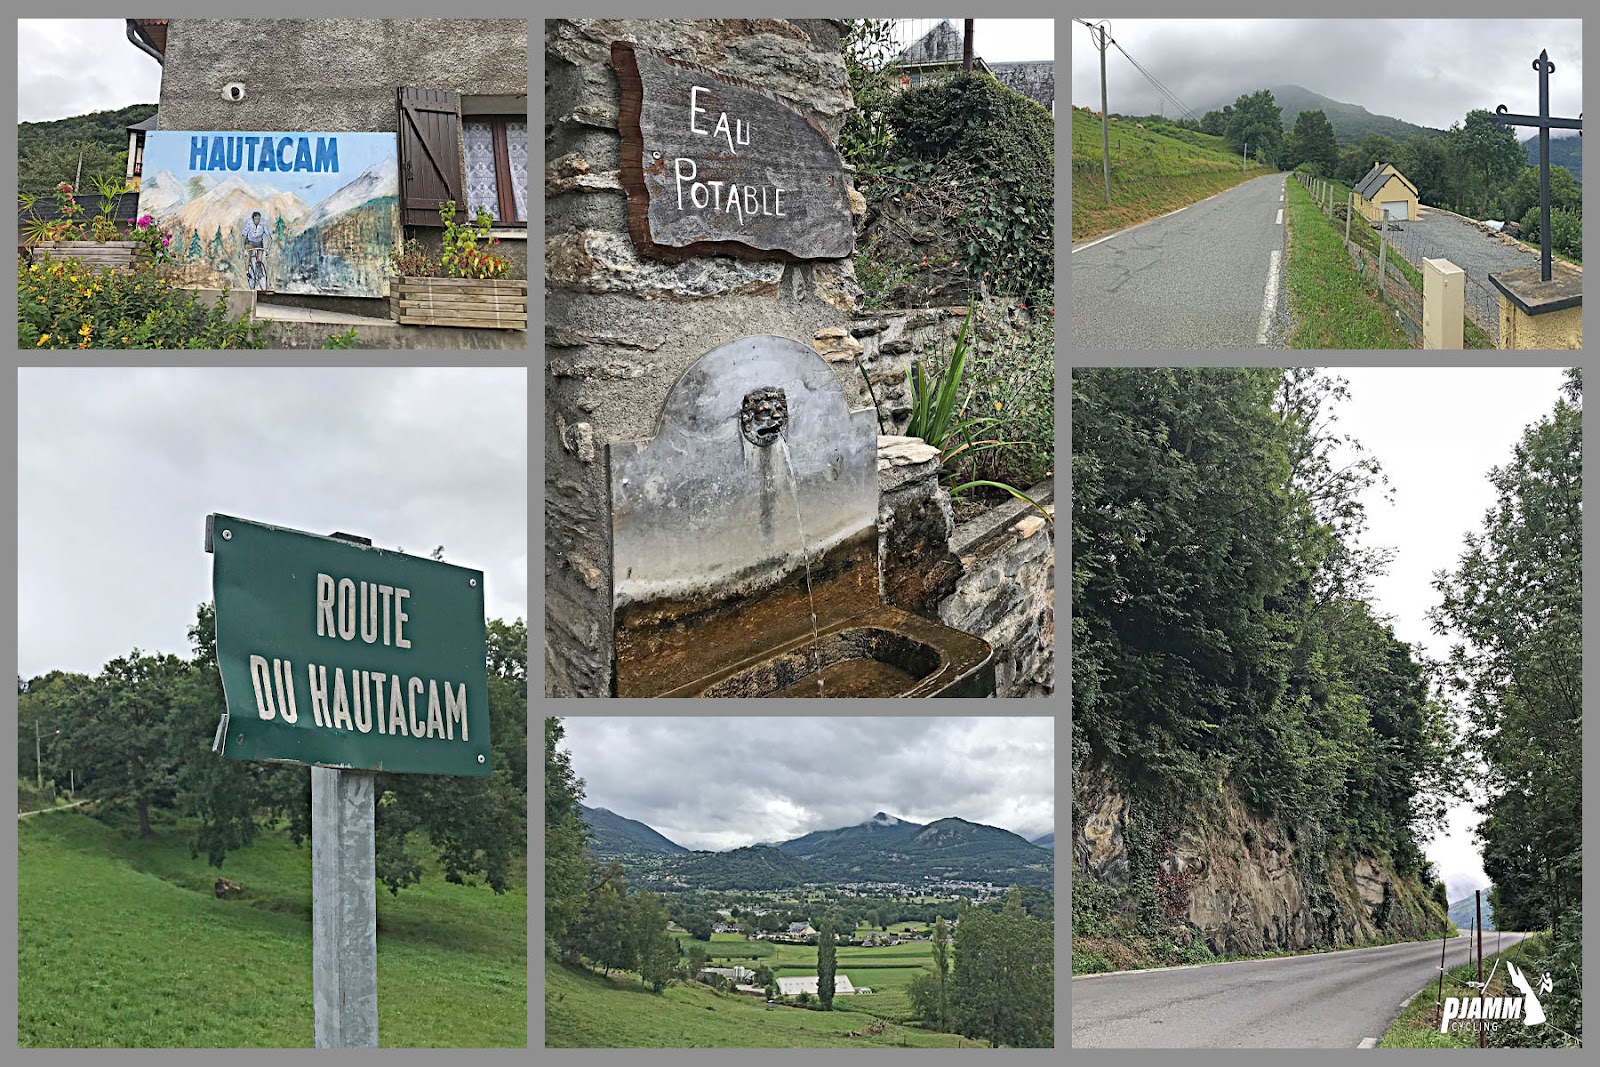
(121, 942)
(1330, 305)
(583, 1009)
(1151, 174)
(1418, 1024)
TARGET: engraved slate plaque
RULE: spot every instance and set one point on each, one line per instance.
(715, 165)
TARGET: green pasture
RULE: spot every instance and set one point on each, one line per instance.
(123, 943)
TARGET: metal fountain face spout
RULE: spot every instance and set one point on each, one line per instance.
(763, 415)
(739, 569)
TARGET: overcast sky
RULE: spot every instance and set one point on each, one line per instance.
(74, 66)
(118, 468)
(721, 783)
(1428, 72)
(71, 67)
(1438, 432)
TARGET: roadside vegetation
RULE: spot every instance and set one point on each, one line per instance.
(1154, 169)
(1330, 304)
(1418, 1025)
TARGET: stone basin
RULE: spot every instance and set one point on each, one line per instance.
(884, 652)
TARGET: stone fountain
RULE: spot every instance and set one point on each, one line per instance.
(745, 545)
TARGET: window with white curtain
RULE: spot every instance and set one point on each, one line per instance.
(496, 154)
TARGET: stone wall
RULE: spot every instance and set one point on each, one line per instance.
(1036, 80)
(993, 576)
(619, 328)
(1006, 593)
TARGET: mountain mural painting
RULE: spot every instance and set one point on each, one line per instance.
(300, 212)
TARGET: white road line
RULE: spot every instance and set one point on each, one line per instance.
(1146, 222)
(1368, 1042)
(1280, 198)
(1270, 304)
(1280, 218)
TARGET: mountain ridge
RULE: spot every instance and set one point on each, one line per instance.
(618, 835)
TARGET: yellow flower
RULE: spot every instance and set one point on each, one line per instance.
(87, 330)
(74, 277)
(997, 405)
(43, 337)
(34, 267)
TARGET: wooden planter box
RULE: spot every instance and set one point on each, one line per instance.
(105, 254)
(495, 304)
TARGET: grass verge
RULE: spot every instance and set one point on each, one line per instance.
(1330, 306)
(121, 942)
(1099, 955)
(1418, 1025)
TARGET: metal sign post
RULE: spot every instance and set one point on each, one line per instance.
(344, 909)
(351, 660)
(1545, 124)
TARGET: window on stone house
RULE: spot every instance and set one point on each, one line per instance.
(495, 151)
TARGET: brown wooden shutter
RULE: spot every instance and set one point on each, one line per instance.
(430, 155)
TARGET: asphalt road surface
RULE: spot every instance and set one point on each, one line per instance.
(1326, 1000)
(1209, 275)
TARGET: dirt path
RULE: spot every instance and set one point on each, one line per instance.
(63, 807)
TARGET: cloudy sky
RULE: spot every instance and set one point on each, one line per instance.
(118, 468)
(1438, 432)
(71, 67)
(1428, 72)
(55, 82)
(720, 783)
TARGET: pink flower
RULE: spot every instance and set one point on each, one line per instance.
(145, 220)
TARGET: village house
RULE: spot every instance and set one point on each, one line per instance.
(736, 975)
(804, 929)
(452, 93)
(1385, 193)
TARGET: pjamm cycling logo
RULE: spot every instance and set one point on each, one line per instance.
(1491, 1011)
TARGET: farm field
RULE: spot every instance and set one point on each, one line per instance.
(588, 1010)
(122, 943)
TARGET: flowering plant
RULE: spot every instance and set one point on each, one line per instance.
(156, 241)
(462, 258)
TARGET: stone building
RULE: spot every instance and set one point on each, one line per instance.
(938, 54)
(454, 93)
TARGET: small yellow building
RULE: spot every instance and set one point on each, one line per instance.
(1385, 193)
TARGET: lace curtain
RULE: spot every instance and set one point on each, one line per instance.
(478, 144)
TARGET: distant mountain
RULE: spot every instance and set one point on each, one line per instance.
(615, 835)
(885, 848)
(380, 179)
(1351, 123)
(1045, 841)
(225, 205)
(1564, 152)
(1463, 911)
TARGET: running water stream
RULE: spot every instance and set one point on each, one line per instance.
(805, 555)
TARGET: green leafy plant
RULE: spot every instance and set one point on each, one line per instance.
(461, 257)
(415, 261)
(62, 303)
(940, 414)
(341, 340)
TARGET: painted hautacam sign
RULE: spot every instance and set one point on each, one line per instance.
(303, 212)
(338, 654)
(713, 165)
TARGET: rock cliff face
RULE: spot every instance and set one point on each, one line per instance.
(1240, 882)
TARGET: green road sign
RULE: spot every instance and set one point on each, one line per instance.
(338, 654)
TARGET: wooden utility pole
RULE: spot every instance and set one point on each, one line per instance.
(966, 47)
(1105, 114)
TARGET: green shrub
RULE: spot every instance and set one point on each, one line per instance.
(65, 304)
(1566, 231)
(1007, 227)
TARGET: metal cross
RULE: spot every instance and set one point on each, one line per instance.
(1545, 124)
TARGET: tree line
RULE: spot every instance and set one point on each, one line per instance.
(1477, 167)
(1515, 600)
(1222, 633)
(139, 733)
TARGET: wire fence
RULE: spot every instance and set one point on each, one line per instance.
(1411, 244)
(1402, 250)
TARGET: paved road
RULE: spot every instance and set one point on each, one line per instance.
(1327, 1000)
(1197, 278)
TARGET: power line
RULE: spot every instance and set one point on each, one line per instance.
(1151, 78)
